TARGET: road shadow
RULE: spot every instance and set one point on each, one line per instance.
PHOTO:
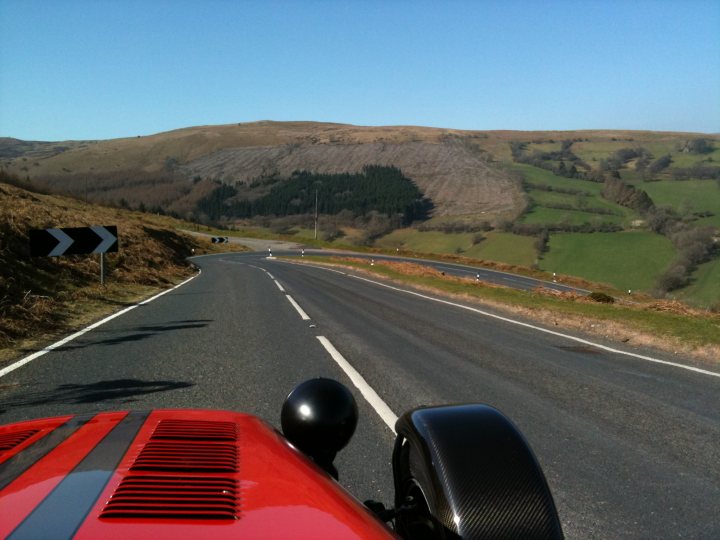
(108, 338)
(126, 390)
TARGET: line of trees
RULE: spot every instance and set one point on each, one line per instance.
(380, 189)
(554, 161)
(699, 171)
(581, 208)
(619, 192)
(694, 245)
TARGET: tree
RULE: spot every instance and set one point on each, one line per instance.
(660, 164)
(699, 146)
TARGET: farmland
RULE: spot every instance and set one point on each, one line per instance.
(688, 197)
(492, 246)
(627, 260)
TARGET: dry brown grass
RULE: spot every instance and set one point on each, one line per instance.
(572, 281)
(42, 295)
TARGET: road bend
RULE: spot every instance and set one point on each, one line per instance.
(630, 447)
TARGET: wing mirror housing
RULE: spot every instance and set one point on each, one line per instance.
(319, 417)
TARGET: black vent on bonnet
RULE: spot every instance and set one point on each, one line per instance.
(176, 462)
(8, 441)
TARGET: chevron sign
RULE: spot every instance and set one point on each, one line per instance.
(73, 241)
(220, 239)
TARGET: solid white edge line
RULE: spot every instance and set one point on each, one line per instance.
(540, 329)
(279, 286)
(303, 315)
(527, 325)
(375, 401)
(313, 266)
(28, 359)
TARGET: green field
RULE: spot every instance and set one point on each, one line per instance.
(505, 247)
(631, 176)
(687, 196)
(543, 198)
(626, 260)
(541, 215)
(592, 152)
(544, 147)
(681, 159)
(590, 197)
(704, 291)
(501, 247)
(536, 175)
(426, 241)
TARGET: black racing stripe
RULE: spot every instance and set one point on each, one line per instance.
(62, 512)
(17, 465)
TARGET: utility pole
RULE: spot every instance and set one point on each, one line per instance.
(316, 212)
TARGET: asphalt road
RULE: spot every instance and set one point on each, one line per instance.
(507, 279)
(630, 448)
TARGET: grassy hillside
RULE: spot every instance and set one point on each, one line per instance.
(162, 169)
(45, 294)
(656, 183)
(459, 170)
(511, 185)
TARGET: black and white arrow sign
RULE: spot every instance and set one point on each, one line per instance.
(73, 241)
(220, 239)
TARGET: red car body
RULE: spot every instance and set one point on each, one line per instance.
(168, 474)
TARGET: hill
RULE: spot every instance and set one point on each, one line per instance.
(461, 172)
(536, 198)
(159, 169)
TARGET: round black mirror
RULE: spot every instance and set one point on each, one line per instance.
(319, 417)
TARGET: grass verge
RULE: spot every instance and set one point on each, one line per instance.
(669, 326)
(79, 310)
(704, 291)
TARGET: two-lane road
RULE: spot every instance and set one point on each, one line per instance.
(631, 448)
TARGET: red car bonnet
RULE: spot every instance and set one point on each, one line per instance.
(168, 474)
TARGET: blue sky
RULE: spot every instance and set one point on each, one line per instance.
(101, 69)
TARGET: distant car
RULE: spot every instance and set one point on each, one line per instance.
(460, 471)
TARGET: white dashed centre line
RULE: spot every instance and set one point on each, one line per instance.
(370, 395)
(303, 315)
(375, 401)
